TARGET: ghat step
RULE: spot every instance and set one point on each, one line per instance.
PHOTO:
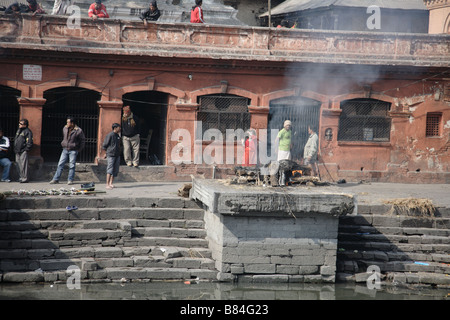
(133, 239)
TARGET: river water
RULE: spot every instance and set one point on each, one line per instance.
(202, 291)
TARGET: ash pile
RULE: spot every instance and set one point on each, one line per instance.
(276, 174)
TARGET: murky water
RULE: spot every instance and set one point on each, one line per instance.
(215, 291)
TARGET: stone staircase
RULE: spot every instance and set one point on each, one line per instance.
(407, 249)
(107, 239)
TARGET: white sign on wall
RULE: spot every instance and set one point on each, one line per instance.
(32, 72)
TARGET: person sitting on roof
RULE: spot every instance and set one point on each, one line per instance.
(14, 8)
(151, 14)
(97, 10)
(34, 7)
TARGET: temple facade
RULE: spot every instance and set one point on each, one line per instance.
(380, 102)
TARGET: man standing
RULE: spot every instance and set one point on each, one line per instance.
(130, 137)
(23, 142)
(4, 161)
(284, 141)
(310, 151)
(112, 147)
(73, 142)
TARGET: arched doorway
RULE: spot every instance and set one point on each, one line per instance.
(302, 112)
(60, 103)
(9, 113)
(151, 108)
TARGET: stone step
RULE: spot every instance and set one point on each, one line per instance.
(168, 223)
(115, 213)
(408, 278)
(393, 239)
(358, 230)
(392, 256)
(427, 278)
(386, 210)
(426, 245)
(88, 201)
(395, 266)
(28, 225)
(112, 273)
(87, 234)
(104, 257)
(168, 232)
(103, 252)
(166, 242)
(379, 220)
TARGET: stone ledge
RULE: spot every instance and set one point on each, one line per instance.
(268, 202)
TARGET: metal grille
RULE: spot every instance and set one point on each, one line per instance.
(364, 120)
(223, 112)
(302, 112)
(75, 102)
(433, 124)
(9, 114)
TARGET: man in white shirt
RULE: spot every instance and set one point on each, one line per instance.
(4, 161)
(310, 151)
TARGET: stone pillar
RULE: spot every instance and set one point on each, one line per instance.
(31, 109)
(328, 137)
(260, 236)
(259, 117)
(439, 16)
(110, 112)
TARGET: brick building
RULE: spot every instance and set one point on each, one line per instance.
(380, 101)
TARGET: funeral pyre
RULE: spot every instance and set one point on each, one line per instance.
(277, 173)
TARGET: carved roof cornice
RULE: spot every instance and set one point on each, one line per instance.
(436, 4)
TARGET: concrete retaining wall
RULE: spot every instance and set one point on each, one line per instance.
(255, 235)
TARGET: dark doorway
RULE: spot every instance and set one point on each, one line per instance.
(151, 108)
(75, 102)
(9, 114)
(302, 112)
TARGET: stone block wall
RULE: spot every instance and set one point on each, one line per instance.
(267, 248)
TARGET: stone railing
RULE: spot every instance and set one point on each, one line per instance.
(181, 40)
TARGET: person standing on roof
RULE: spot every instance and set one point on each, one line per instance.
(97, 10)
(197, 12)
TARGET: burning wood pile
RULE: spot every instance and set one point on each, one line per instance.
(277, 173)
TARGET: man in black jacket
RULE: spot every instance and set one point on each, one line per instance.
(130, 137)
(112, 147)
(73, 142)
(23, 142)
(151, 14)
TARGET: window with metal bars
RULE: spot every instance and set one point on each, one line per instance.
(364, 120)
(433, 124)
(223, 112)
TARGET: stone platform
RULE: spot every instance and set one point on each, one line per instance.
(265, 234)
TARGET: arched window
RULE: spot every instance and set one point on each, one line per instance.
(223, 111)
(364, 120)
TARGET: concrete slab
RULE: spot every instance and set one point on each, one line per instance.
(238, 199)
